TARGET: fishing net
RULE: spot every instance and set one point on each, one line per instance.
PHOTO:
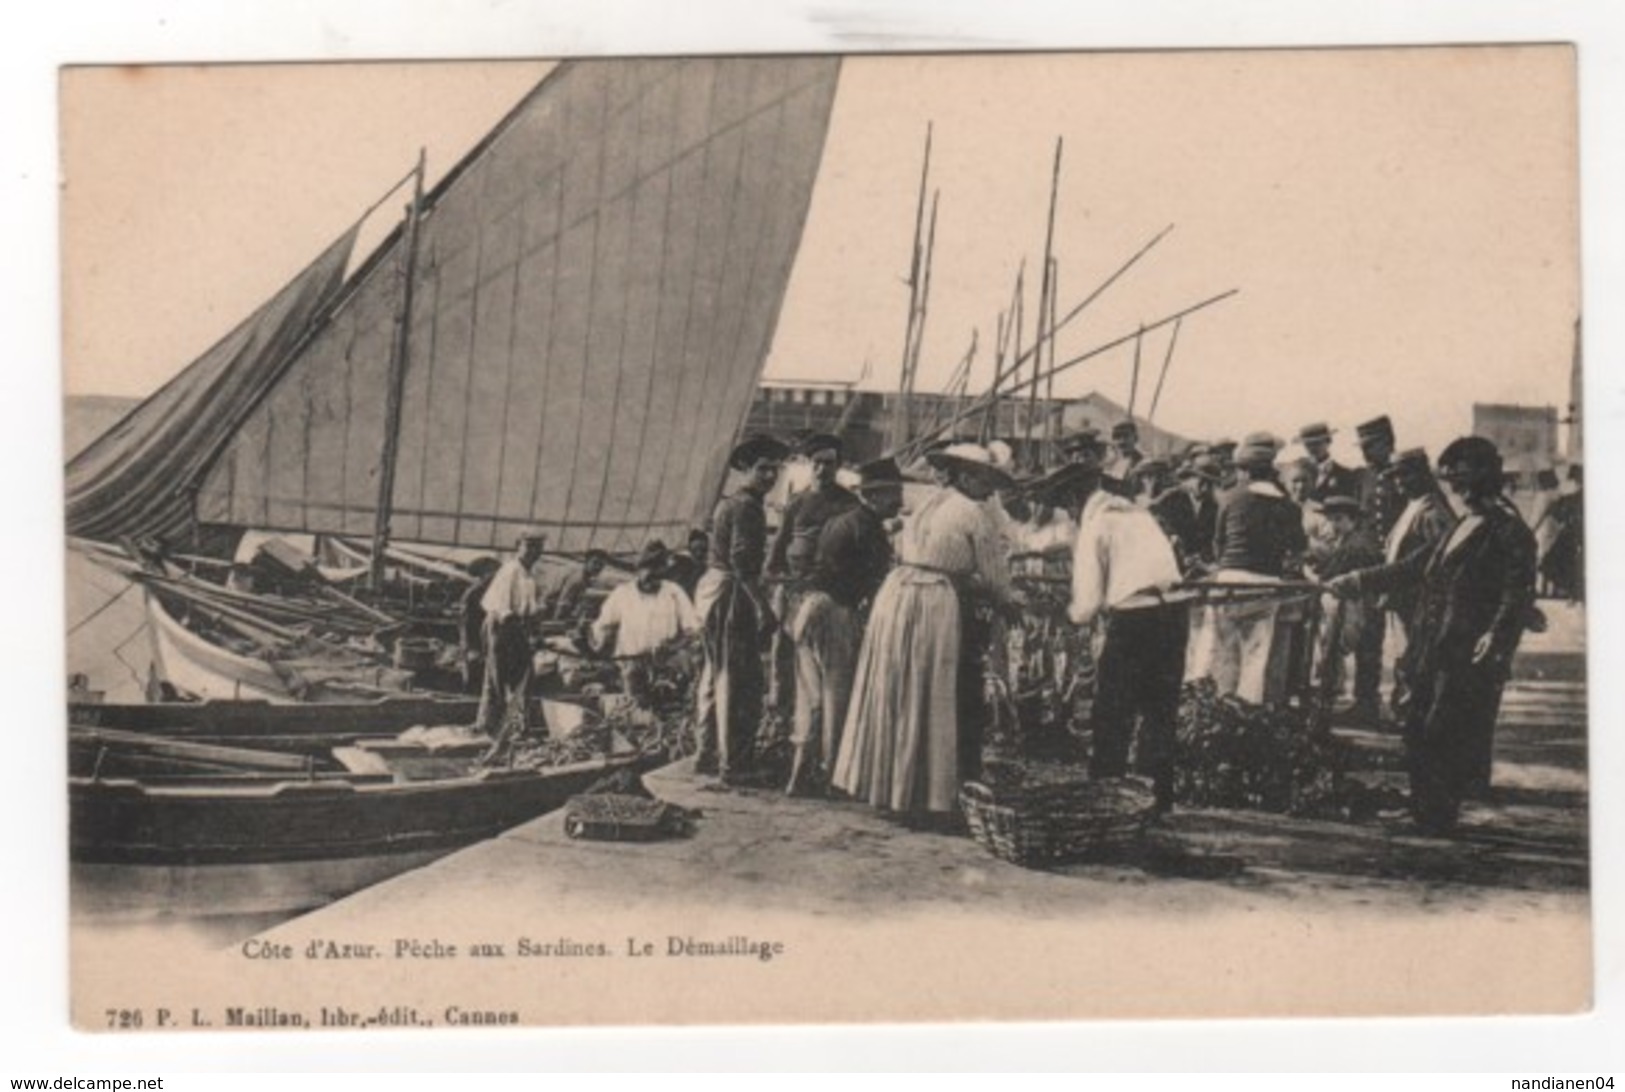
(1275, 757)
(654, 716)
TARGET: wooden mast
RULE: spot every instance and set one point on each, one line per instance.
(1018, 386)
(1156, 395)
(899, 423)
(1046, 315)
(398, 358)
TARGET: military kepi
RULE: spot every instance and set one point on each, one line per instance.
(1378, 428)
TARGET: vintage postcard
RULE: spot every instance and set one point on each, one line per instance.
(787, 539)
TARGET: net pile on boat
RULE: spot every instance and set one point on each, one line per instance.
(659, 723)
(1233, 753)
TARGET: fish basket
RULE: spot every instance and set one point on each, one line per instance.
(1036, 825)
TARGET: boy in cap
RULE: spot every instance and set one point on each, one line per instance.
(1349, 546)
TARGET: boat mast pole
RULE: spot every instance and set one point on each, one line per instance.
(1046, 316)
(397, 382)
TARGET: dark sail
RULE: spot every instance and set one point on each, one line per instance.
(137, 478)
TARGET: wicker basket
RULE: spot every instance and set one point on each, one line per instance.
(1038, 824)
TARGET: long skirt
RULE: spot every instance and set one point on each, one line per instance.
(901, 749)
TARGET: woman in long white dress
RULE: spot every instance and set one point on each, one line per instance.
(912, 729)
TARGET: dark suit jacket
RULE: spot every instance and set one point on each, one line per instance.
(1176, 513)
(1258, 532)
(1333, 479)
(854, 556)
(1188, 523)
(1486, 584)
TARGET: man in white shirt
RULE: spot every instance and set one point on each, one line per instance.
(511, 603)
(1121, 559)
(645, 612)
(641, 616)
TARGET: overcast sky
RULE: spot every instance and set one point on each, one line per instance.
(1401, 224)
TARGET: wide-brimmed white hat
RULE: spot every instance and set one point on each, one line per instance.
(971, 459)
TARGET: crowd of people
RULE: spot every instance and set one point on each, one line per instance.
(869, 625)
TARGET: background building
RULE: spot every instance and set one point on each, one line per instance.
(863, 419)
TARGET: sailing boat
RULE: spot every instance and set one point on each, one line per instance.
(563, 336)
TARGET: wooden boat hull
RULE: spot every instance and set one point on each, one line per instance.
(201, 668)
(193, 849)
(126, 821)
(195, 666)
(299, 727)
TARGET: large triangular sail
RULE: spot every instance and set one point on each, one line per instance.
(133, 480)
(596, 289)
